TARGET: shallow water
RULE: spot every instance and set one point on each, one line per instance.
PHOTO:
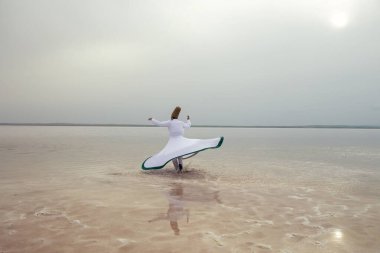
(81, 189)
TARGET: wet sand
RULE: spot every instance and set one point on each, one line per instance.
(54, 201)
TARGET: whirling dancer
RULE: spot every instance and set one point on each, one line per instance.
(178, 147)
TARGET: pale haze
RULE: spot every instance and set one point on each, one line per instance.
(241, 62)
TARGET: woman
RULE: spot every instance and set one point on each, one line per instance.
(178, 147)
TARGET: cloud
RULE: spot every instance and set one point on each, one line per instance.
(265, 59)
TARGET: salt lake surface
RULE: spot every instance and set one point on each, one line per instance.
(81, 189)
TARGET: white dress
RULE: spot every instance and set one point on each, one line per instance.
(178, 146)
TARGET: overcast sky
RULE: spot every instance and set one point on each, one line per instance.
(240, 62)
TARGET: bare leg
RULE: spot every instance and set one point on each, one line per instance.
(175, 163)
(174, 226)
(180, 164)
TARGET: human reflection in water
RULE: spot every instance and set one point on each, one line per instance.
(176, 208)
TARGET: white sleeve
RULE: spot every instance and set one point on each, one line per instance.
(160, 123)
(187, 124)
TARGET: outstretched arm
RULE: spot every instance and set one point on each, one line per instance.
(159, 217)
(187, 215)
(188, 122)
(159, 123)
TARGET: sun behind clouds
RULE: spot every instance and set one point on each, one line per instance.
(339, 19)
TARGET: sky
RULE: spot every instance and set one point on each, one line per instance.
(240, 62)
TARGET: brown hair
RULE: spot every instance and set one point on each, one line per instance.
(176, 112)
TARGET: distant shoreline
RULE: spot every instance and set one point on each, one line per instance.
(208, 126)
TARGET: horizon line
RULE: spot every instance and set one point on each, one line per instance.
(200, 125)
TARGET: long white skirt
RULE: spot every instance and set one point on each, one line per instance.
(179, 146)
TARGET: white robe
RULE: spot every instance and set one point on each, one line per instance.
(178, 146)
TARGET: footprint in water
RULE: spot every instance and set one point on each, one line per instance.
(264, 246)
(47, 212)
